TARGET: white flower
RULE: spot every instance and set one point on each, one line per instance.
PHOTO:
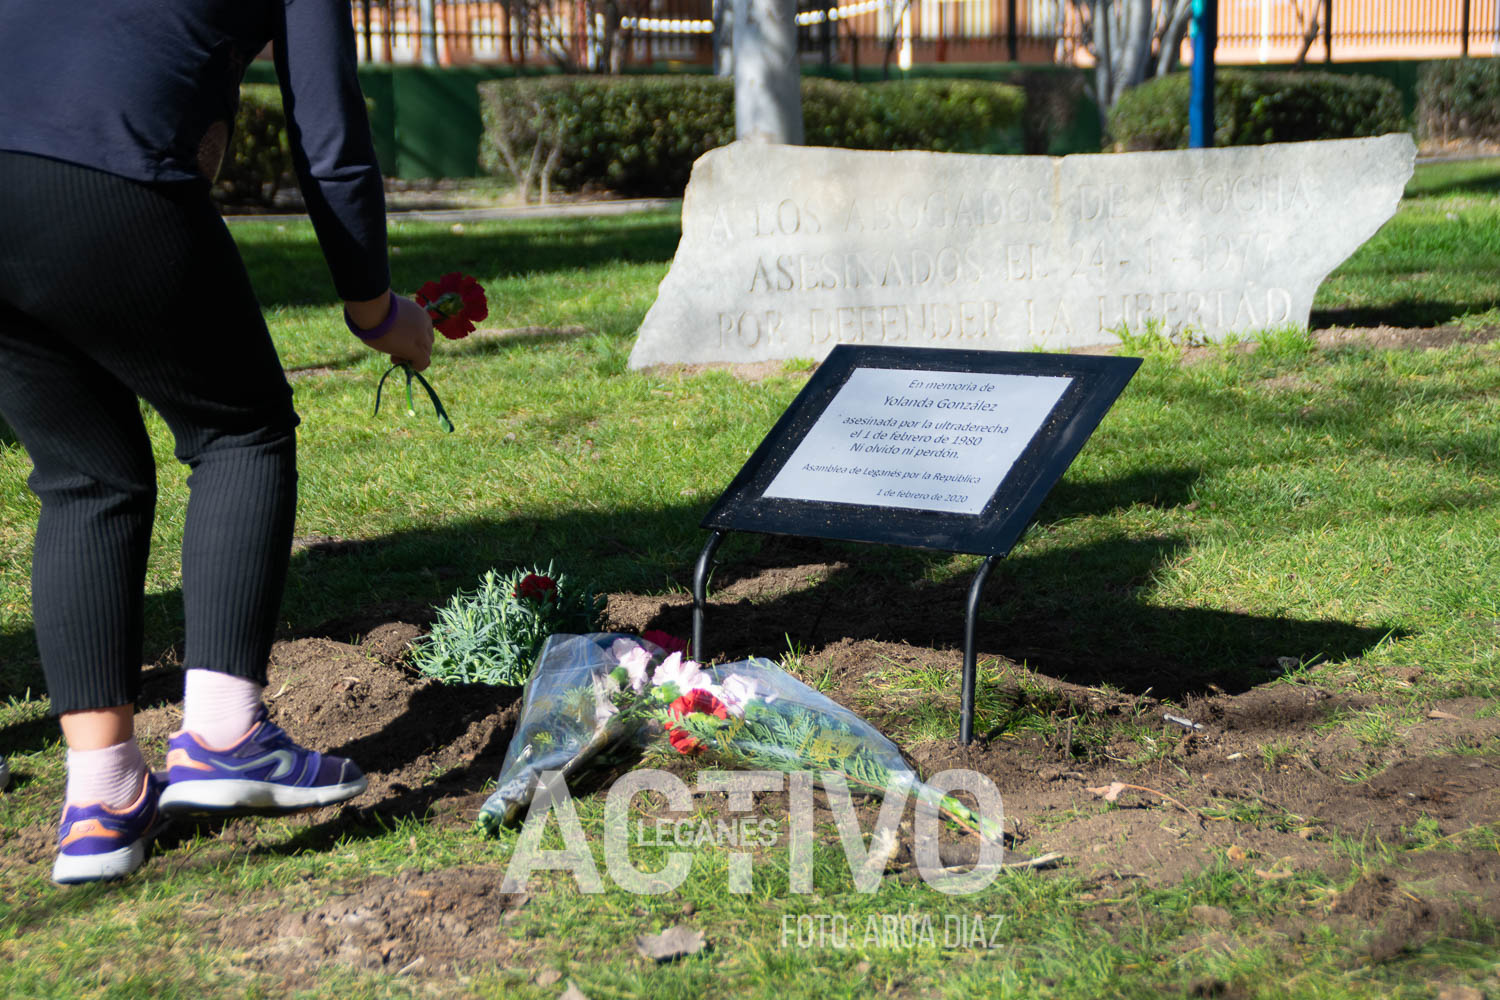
(637, 664)
(739, 690)
(684, 673)
(621, 648)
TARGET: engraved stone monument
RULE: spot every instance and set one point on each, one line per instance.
(789, 250)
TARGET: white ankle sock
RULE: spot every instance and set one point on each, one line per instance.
(219, 708)
(112, 775)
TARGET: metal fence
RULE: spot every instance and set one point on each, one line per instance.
(574, 33)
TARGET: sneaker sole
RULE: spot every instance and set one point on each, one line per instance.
(232, 795)
(71, 869)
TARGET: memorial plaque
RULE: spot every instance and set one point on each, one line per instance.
(929, 448)
(920, 447)
(931, 440)
(787, 251)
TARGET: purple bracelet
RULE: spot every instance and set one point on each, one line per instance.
(375, 332)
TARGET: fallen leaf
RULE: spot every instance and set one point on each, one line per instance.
(1438, 714)
(547, 977)
(573, 992)
(1236, 853)
(1272, 874)
(674, 942)
(1109, 792)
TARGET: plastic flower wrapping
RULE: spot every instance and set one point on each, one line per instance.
(592, 692)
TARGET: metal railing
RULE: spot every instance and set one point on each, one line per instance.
(571, 32)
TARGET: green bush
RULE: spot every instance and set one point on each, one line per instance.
(259, 154)
(640, 135)
(1459, 99)
(493, 634)
(1253, 107)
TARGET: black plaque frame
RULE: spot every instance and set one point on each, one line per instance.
(1097, 382)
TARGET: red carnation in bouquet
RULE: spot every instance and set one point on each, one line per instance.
(668, 642)
(455, 302)
(696, 700)
(535, 587)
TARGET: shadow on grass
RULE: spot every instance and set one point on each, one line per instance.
(489, 343)
(1074, 613)
(1417, 315)
(1479, 178)
(291, 272)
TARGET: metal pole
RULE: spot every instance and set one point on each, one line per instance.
(1012, 31)
(427, 44)
(825, 36)
(700, 591)
(1201, 105)
(1327, 31)
(971, 613)
(1466, 29)
(387, 31)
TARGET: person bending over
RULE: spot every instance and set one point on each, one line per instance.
(119, 282)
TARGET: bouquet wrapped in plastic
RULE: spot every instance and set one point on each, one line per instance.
(590, 692)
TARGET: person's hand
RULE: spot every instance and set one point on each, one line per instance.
(409, 338)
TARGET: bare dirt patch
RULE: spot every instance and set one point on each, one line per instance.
(412, 924)
(1210, 797)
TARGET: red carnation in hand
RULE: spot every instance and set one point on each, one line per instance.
(535, 587)
(455, 302)
(668, 642)
(696, 700)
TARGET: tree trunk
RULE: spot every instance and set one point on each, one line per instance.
(723, 16)
(767, 74)
(1310, 28)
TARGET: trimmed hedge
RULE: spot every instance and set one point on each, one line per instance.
(259, 154)
(1251, 108)
(639, 135)
(1459, 99)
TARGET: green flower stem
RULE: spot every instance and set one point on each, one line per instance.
(411, 406)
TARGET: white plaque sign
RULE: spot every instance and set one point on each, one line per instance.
(927, 440)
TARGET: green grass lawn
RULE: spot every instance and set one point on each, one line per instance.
(1349, 485)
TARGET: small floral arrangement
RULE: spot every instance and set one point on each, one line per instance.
(593, 691)
(492, 634)
(455, 302)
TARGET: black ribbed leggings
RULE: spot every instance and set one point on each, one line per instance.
(112, 292)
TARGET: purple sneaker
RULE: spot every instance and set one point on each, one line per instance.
(97, 843)
(264, 773)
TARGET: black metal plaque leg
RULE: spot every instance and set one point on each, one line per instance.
(700, 590)
(966, 720)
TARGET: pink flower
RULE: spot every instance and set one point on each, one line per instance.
(684, 673)
(738, 691)
(637, 664)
